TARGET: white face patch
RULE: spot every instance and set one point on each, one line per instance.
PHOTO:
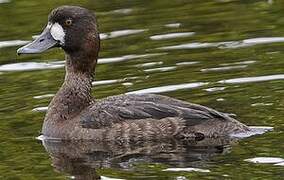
(57, 32)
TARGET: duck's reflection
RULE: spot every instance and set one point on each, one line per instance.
(80, 159)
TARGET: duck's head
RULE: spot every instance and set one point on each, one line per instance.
(72, 28)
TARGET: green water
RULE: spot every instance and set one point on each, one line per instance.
(218, 46)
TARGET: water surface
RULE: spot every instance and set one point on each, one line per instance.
(224, 54)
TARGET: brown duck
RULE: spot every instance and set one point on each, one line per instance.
(74, 114)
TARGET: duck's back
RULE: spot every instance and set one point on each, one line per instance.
(150, 116)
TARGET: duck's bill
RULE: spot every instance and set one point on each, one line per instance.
(42, 43)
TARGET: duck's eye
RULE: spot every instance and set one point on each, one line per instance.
(68, 22)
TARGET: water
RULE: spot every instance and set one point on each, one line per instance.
(220, 53)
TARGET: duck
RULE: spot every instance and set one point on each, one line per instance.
(73, 114)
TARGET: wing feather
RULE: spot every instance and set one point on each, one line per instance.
(117, 109)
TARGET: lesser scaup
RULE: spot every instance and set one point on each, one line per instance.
(74, 114)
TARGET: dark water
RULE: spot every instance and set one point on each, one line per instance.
(228, 54)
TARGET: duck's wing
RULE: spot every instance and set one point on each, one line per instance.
(115, 109)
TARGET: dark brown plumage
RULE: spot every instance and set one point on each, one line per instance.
(73, 114)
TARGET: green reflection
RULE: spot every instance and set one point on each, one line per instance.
(258, 103)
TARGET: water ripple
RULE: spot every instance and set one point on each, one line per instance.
(12, 43)
(120, 33)
(168, 88)
(127, 57)
(161, 69)
(113, 81)
(261, 104)
(29, 66)
(238, 63)
(253, 79)
(190, 169)
(43, 96)
(40, 109)
(106, 82)
(127, 84)
(171, 35)
(228, 44)
(108, 178)
(173, 25)
(187, 63)
(223, 68)
(188, 46)
(149, 64)
(261, 40)
(213, 89)
(122, 11)
(266, 160)
(4, 1)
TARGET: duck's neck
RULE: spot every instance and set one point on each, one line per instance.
(75, 93)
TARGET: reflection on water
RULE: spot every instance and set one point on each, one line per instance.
(104, 82)
(40, 109)
(186, 63)
(230, 44)
(82, 159)
(120, 33)
(168, 88)
(121, 11)
(12, 43)
(44, 96)
(149, 64)
(28, 66)
(162, 69)
(173, 25)
(223, 68)
(266, 160)
(127, 57)
(171, 35)
(224, 54)
(239, 63)
(254, 79)
(213, 89)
